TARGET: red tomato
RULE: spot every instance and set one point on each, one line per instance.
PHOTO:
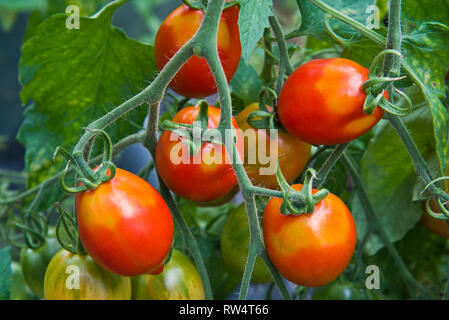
(292, 153)
(206, 180)
(322, 102)
(195, 79)
(436, 226)
(125, 225)
(310, 249)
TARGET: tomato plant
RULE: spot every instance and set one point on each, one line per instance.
(310, 249)
(34, 262)
(235, 246)
(322, 102)
(125, 225)
(78, 277)
(292, 153)
(180, 280)
(211, 177)
(194, 79)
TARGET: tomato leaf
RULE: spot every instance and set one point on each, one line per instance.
(389, 176)
(73, 77)
(246, 86)
(253, 19)
(5, 272)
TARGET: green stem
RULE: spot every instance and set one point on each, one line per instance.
(282, 44)
(327, 166)
(408, 278)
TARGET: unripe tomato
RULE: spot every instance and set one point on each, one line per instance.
(78, 277)
(34, 262)
(125, 225)
(180, 280)
(322, 102)
(205, 177)
(195, 79)
(337, 291)
(310, 249)
(292, 153)
(18, 288)
(436, 226)
(235, 246)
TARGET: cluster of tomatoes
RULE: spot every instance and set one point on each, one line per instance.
(127, 228)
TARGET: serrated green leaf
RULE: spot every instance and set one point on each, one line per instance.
(74, 77)
(5, 272)
(253, 19)
(389, 176)
(246, 84)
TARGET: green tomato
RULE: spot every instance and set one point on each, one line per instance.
(78, 277)
(180, 280)
(235, 246)
(18, 288)
(337, 291)
(34, 262)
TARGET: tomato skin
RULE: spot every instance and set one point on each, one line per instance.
(198, 182)
(321, 102)
(179, 281)
(125, 225)
(34, 262)
(195, 79)
(310, 249)
(18, 288)
(293, 153)
(436, 226)
(235, 246)
(95, 283)
(337, 291)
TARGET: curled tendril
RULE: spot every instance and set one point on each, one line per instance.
(443, 215)
(344, 42)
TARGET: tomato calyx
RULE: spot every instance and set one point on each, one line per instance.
(89, 179)
(67, 232)
(263, 118)
(441, 199)
(193, 135)
(304, 201)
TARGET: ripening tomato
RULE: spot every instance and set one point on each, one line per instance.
(205, 177)
(78, 277)
(195, 79)
(436, 226)
(291, 153)
(34, 262)
(125, 225)
(310, 249)
(180, 280)
(235, 246)
(322, 102)
(18, 288)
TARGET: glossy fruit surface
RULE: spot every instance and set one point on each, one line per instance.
(336, 291)
(195, 79)
(205, 177)
(235, 246)
(180, 280)
(310, 249)
(292, 153)
(322, 102)
(78, 277)
(18, 288)
(34, 262)
(125, 225)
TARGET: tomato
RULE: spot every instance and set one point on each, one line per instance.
(292, 153)
(310, 249)
(235, 246)
(337, 291)
(18, 288)
(78, 277)
(436, 226)
(125, 225)
(195, 79)
(322, 102)
(34, 262)
(199, 180)
(180, 280)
